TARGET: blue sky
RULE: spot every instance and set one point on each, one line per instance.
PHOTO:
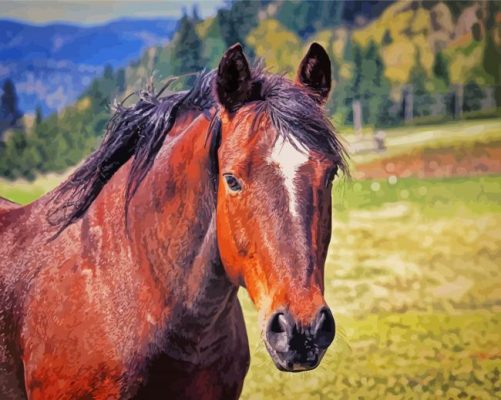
(91, 12)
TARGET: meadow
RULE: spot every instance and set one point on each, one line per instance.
(413, 280)
(412, 277)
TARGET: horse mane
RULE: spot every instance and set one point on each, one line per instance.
(138, 132)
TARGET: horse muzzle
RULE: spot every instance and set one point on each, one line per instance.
(296, 348)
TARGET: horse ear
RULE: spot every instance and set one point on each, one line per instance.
(314, 72)
(233, 83)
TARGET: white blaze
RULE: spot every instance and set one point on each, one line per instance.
(289, 160)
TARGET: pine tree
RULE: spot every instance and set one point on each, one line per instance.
(441, 69)
(121, 80)
(369, 85)
(38, 115)
(491, 63)
(356, 79)
(195, 14)
(473, 96)
(342, 96)
(187, 50)
(488, 14)
(237, 21)
(9, 110)
(422, 99)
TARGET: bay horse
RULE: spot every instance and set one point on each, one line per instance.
(122, 282)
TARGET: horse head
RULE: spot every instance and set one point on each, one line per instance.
(277, 157)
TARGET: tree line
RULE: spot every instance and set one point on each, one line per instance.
(63, 139)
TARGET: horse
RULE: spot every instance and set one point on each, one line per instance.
(122, 282)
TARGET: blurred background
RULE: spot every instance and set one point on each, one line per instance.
(413, 271)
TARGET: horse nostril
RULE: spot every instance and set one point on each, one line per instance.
(278, 323)
(325, 328)
(278, 332)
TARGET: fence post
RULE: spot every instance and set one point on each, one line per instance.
(357, 117)
(458, 101)
(409, 103)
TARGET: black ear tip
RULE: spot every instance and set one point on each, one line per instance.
(318, 50)
(236, 48)
(233, 78)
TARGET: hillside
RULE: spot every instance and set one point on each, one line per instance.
(52, 64)
(427, 50)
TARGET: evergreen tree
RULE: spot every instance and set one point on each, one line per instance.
(356, 79)
(441, 69)
(187, 50)
(342, 95)
(473, 96)
(375, 87)
(120, 80)
(330, 14)
(9, 110)
(492, 50)
(492, 64)
(306, 17)
(38, 115)
(369, 85)
(422, 100)
(195, 14)
(237, 21)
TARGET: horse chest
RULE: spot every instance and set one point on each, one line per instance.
(208, 364)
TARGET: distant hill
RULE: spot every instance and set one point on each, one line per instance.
(52, 64)
(443, 53)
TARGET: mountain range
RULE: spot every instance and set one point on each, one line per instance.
(52, 64)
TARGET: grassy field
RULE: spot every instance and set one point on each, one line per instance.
(412, 277)
(23, 191)
(402, 140)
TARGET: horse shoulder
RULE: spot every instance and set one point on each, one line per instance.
(69, 347)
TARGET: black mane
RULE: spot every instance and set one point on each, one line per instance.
(138, 132)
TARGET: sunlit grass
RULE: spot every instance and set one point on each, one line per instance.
(413, 279)
(435, 197)
(24, 192)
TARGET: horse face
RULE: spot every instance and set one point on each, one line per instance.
(274, 221)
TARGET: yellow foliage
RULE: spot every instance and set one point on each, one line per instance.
(340, 38)
(345, 71)
(325, 38)
(374, 31)
(83, 104)
(409, 30)
(333, 40)
(397, 18)
(420, 22)
(278, 46)
(400, 24)
(426, 56)
(203, 27)
(399, 59)
(462, 66)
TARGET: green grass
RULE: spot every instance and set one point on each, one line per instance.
(24, 192)
(436, 197)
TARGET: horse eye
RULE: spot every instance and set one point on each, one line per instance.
(232, 183)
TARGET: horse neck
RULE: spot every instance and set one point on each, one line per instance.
(172, 222)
